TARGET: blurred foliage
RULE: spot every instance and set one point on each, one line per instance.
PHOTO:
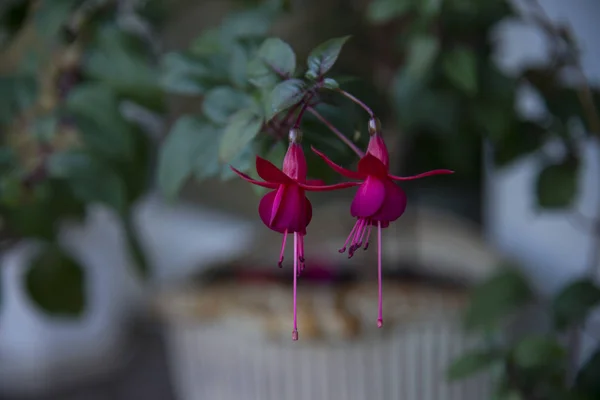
(247, 85)
(69, 68)
(529, 366)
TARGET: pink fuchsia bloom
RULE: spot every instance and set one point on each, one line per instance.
(286, 209)
(378, 200)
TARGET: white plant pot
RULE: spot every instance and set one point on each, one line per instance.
(39, 352)
(220, 347)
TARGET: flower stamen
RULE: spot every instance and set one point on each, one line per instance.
(282, 249)
(343, 249)
(368, 236)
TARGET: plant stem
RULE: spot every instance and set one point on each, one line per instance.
(357, 101)
(339, 134)
(305, 105)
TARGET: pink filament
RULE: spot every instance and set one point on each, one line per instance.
(301, 254)
(368, 236)
(282, 249)
(295, 331)
(343, 249)
(380, 297)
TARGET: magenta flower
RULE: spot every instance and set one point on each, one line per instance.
(378, 200)
(286, 209)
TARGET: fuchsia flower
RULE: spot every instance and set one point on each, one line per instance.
(378, 200)
(286, 209)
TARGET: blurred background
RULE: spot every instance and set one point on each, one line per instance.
(133, 263)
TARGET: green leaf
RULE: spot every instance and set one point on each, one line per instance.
(91, 179)
(177, 156)
(238, 66)
(572, 305)
(241, 129)
(588, 378)
(220, 103)
(471, 363)
(17, 93)
(538, 351)
(208, 43)
(116, 59)
(460, 66)
(522, 139)
(381, 11)
(207, 163)
(285, 95)
(44, 127)
(501, 295)
(242, 162)
(246, 24)
(95, 108)
(274, 60)
(323, 57)
(556, 185)
(182, 74)
(422, 52)
(330, 83)
(51, 16)
(430, 7)
(56, 283)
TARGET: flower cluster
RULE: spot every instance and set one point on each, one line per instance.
(286, 209)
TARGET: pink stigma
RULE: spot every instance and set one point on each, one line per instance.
(380, 323)
(295, 335)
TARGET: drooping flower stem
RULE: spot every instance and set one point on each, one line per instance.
(305, 105)
(379, 292)
(339, 134)
(358, 102)
(295, 331)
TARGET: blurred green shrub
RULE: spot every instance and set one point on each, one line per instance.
(68, 70)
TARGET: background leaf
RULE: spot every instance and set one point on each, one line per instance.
(183, 74)
(588, 378)
(56, 283)
(471, 363)
(574, 302)
(538, 351)
(381, 11)
(460, 66)
(91, 179)
(177, 158)
(220, 103)
(116, 59)
(501, 295)
(95, 108)
(324, 56)
(241, 129)
(422, 52)
(556, 185)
